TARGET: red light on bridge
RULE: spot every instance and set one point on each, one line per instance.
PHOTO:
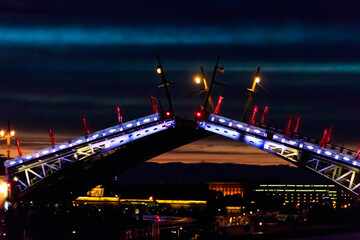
(323, 139)
(296, 129)
(86, 127)
(328, 136)
(153, 104)
(263, 117)
(252, 120)
(168, 114)
(201, 115)
(218, 106)
(288, 126)
(51, 134)
(18, 146)
(119, 114)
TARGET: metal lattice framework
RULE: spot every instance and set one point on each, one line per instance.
(343, 169)
(24, 172)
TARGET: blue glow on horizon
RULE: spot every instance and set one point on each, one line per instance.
(246, 35)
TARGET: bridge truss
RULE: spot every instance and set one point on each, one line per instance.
(26, 171)
(341, 168)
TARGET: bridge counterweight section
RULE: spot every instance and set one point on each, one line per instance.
(341, 168)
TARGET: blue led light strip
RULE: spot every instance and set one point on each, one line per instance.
(280, 138)
(96, 136)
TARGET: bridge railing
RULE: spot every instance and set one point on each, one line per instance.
(84, 139)
(299, 143)
(281, 138)
(312, 140)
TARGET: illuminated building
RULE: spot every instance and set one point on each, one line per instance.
(97, 191)
(227, 188)
(286, 193)
(298, 193)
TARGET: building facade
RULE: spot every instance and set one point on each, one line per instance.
(227, 188)
(299, 193)
(286, 193)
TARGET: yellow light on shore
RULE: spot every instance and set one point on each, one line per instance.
(4, 189)
(12, 133)
(257, 79)
(2, 133)
(158, 70)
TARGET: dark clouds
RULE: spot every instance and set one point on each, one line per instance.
(176, 12)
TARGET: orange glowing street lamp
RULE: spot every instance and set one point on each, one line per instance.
(256, 80)
(158, 70)
(198, 80)
(7, 135)
(251, 94)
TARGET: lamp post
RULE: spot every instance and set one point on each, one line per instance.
(160, 71)
(251, 94)
(7, 135)
(216, 67)
(206, 88)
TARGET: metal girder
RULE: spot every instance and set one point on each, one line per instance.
(36, 171)
(283, 151)
(326, 168)
(48, 165)
(356, 186)
(36, 174)
(346, 177)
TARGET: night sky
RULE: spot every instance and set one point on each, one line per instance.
(62, 59)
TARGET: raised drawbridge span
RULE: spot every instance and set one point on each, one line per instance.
(74, 166)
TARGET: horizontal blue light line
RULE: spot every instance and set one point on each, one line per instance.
(140, 35)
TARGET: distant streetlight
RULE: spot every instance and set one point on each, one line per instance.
(7, 135)
(251, 94)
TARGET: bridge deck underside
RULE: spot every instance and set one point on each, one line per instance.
(81, 176)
